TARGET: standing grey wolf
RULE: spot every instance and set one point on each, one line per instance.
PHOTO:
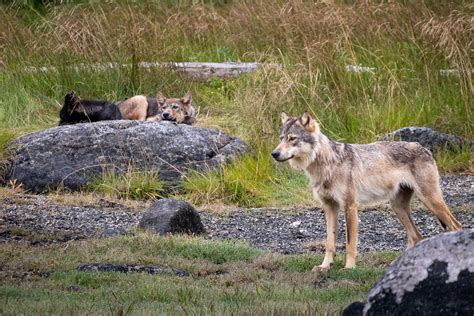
(343, 175)
(76, 110)
(159, 108)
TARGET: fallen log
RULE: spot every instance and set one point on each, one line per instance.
(197, 70)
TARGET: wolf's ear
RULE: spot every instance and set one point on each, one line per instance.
(308, 122)
(160, 98)
(284, 117)
(72, 99)
(187, 98)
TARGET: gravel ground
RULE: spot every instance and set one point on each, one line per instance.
(37, 218)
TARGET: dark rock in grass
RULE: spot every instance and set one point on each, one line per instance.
(354, 309)
(427, 137)
(126, 268)
(73, 155)
(172, 216)
(436, 277)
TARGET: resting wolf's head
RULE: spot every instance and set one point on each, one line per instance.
(298, 137)
(71, 103)
(175, 109)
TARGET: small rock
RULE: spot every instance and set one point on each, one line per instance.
(295, 224)
(354, 309)
(125, 268)
(172, 216)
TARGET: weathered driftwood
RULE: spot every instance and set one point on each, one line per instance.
(197, 70)
(207, 70)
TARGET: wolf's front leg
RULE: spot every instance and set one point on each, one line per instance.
(331, 213)
(155, 118)
(352, 234)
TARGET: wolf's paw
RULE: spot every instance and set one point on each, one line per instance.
(320, 269)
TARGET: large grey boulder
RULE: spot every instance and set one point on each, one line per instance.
(427, 137)
(172, 216)
(72, 155)
(435, 277)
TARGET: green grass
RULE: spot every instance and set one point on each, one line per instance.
(6, 136)
(226, 277)
(248, 182)
(129, 184)
(308, 45)
(455, 160)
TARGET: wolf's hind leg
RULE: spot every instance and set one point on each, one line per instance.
(401, 206)
(435, 203)
(331, 212)
(429, 193)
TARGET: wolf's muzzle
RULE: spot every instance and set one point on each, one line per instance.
(277, 156)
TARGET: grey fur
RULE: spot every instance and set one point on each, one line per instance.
(344, 175)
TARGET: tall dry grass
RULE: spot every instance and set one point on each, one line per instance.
(312, 41)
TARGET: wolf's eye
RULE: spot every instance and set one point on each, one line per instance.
(291, 138)
(175, 107)
(281, 137)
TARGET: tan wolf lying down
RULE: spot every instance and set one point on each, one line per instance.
(159, 108)
(344, 175)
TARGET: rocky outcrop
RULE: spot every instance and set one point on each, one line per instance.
(73, 155)
(435, 277)
(172, 216)
(427, 137)
(127, 268)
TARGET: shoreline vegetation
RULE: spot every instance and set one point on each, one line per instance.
(362, 70)
(314, 44)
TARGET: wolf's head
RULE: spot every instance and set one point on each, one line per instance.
(175, 109)
(71, 103)
(298, 138)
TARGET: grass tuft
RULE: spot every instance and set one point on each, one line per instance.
(248, 181)
(132, 184)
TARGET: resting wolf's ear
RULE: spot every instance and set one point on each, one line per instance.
(72, 99)
(187, 98)
(160, 97)
(284, 117)
(308, 122)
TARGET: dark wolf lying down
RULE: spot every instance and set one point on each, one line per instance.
(76, 110)
(138, 107)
